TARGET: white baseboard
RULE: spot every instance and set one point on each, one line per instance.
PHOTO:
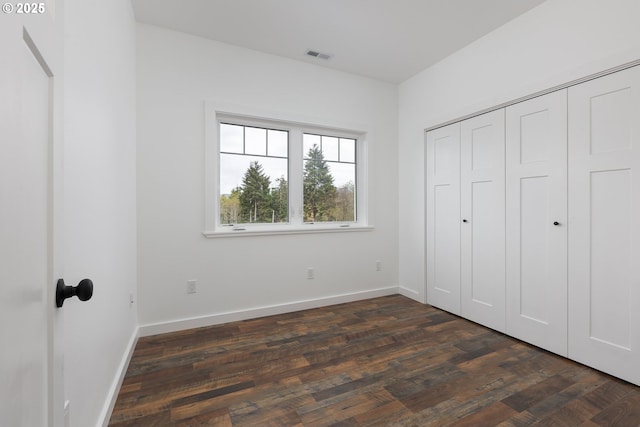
(233, 316)
(112, 396)
(410, 293)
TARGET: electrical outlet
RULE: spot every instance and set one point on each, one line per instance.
(378, 265)
(191, 286)
(310, 273)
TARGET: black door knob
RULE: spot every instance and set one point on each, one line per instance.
(464, 220)
(556, 223)
(84, 291)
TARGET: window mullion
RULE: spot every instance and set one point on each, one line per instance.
(295, 177)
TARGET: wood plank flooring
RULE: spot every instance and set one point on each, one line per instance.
(382, 362)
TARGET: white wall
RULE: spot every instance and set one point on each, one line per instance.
(176, 74)
(100, 200)
(557, 42)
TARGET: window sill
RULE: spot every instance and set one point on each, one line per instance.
(310, 229)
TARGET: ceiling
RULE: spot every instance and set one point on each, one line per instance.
(388, 40)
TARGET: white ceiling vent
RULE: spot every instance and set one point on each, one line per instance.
(318, 55)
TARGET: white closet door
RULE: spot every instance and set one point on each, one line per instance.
(443, 218)
(482, 188)
(604, 219)
(536, 153)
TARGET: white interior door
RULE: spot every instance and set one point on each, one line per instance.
(604, 233)
(443, 217)
(536, 199)
(482, 188)
(30, 189)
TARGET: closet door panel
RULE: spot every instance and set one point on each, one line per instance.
(536, 199)
(443, 217)
(482, 189)
(604, 237)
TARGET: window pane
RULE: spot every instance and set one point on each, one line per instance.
(253, 189)
(254, 180)
(347, 150)
(329, 190)
(344, 203)
(278, 143)
(231, 138)
(330, 148)
(255, 141)
(308, 141)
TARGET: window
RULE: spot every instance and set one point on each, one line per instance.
(275, 176)
(329, 179)
(253, 175)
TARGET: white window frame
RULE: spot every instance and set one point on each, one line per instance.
(216, 113)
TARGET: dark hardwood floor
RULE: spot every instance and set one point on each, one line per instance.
(386, 362)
